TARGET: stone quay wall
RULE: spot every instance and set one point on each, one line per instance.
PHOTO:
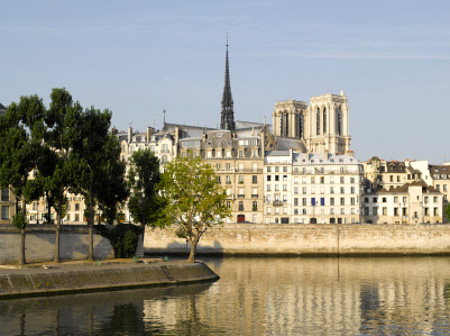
(40, 244)
(279, 239)
(90, 278)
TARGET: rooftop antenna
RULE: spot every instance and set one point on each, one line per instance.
(164, 125)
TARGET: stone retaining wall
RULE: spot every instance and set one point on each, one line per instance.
(268, 239)
(33, 282)
(40, 244)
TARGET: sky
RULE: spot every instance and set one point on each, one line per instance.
(138, 58)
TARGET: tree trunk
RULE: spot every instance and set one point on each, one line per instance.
(22, 259)
(191, 257)
(57, 232)
(91, 228)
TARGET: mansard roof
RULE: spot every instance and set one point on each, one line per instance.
(405, 187)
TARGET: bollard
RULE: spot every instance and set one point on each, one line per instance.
(166, 258)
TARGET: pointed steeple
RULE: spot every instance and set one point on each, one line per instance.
(227, 114)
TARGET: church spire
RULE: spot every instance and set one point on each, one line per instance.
(227, 114)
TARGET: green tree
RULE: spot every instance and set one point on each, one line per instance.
(90, 158)
(143, 179)
(63, 119)
(22, 130)
(111, 184)
(195, 202)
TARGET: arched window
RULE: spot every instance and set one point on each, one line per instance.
(318, 121)
(324, 120)
(281, 124)
(300, 125)
(339, 121)
(286, 133)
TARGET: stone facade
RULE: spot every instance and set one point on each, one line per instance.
(312, 188)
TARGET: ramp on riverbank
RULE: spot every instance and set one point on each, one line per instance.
(65, 279)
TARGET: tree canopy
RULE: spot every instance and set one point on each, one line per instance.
(195, 202)
(145, 203)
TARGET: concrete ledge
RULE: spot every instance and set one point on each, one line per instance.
(87, 278)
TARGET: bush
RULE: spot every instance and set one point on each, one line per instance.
(19, 220)
(123, 238)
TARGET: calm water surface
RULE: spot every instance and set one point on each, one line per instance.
(270, 296)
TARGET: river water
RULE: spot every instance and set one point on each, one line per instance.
(259, 296)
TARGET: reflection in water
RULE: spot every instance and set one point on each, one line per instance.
(259, 296)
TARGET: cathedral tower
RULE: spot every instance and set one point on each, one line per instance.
(227, 114)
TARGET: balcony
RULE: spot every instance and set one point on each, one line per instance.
(241, 196)
(255, 209)
(254, 195)
(277, 203)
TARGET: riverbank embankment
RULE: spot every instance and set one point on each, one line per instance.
(88, 277)
(308, 240)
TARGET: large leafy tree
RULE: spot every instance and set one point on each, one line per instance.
(64, 122)
(195, 202)
(112, 189)
(143, 179)
(90, 158)
(22, 129)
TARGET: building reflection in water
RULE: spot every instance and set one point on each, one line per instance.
(256, 296)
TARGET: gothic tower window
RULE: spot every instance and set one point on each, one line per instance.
(300, 125)
(339, 121)
(318, 121)
(281, 124)
(286, 133)
(324, 120)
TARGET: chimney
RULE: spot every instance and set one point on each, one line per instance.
(177, 134)
(130, 133)
(350, 153)
(149, 133)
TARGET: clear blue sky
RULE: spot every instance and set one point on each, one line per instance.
(391, 58)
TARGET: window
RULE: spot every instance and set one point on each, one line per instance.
(295, 201)
(391, 178)
(269, 210)
(284, 187)
(5, 195)
(77, 217)
(228, 166)
(398, 178)
(285, 178)
(352, 180)
(425, 200)
(254, 178)
(241, 179)
(313, 201)
(218, 179)
(444, 187)
(322, 201)
(269, 178)
(383, 199)
(5, 212)
(304, 190)
(77, 206)
(304, 201)
(342, 201)
(352, 201)
(241, 206)
(435, 199)
(277, 177)
(332, 201)
(384, 211)
(277, 187)
(218, 166)
(269, 187)
(342, 190)
(331, 190)
(269, 169)
(284, 199)
(255, 206)
(342, 179)
(352, 190)
(395, 199)
(241, 154)
(438, 187)
(322, 180)
(295, 190)
(228, 179)
(277, 169)
(435, 212)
